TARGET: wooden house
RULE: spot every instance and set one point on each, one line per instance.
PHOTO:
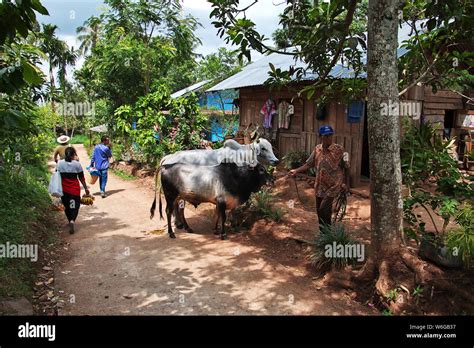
(443, 107)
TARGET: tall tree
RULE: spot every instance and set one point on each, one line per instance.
(142, 45)
(88, 34)
(54, 49)
(384, 138)
(60, 56)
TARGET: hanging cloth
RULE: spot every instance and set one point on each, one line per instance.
(355, 111)
(268, 111)
(285, 111)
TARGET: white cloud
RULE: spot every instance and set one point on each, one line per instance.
(196, 4)
(264, 13)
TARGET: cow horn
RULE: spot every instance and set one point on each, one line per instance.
(254, 135)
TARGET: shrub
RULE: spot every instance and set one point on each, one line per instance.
(425, 156)
(295, 159)
(461, 238)
(25, 215)
(330, 234)
(262, 203)
(180, 128)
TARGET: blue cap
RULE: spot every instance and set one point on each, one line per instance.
(326, 130)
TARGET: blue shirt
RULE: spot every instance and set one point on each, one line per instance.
(100, 157)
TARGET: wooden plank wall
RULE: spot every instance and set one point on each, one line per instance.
(436, 104)
(252, 100)
(302, 134)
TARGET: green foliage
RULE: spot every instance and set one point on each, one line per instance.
(329, 234)
(25, 217)
(461, 238)
(220, 65)
(19, 18)
(262, 203)
(126, 61)
(139, 51)
(295, 159)
(320, 33)
(393, 294)
(79, 139)
(179, 129)
(439, 53)
(19, 76)
(425, 157)
(418, 291)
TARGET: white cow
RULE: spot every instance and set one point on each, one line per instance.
(232, 152)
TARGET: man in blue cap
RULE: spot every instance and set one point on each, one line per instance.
(331, 164)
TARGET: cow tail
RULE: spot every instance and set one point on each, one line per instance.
(157, 182)
(160, 206)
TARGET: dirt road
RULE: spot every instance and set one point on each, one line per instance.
(115, 264)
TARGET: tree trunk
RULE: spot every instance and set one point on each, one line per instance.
(384, 136)
(51, 83)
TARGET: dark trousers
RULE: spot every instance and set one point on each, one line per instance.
(71, 204)
(324, 210)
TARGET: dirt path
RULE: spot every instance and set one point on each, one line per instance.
(114, 265)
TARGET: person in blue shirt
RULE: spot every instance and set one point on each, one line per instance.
(100, 160)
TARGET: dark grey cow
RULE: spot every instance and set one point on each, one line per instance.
(226, 185)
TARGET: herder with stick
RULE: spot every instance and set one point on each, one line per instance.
(331, 164)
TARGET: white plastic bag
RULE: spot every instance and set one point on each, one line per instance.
(55, 185)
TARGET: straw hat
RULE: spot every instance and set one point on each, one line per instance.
(63, 139)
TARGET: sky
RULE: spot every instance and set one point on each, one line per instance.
(69, 14)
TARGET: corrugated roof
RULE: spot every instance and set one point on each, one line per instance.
(256, 73)
(189, 89)
(100, 129)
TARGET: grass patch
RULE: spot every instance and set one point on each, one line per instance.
(80, 139)
(123, 175)
(25, 218)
